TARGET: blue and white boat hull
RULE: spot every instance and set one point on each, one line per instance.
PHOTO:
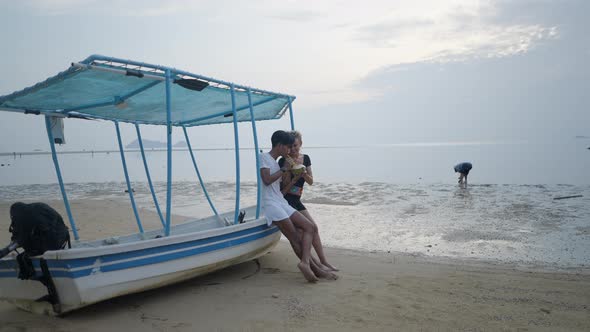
(87, 275)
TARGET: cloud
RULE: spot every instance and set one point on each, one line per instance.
(131, 8)
(457, 32)
(529, 82)
(55, 8)
(498, 42)
(155, 8)
(385, 33)
(297, 16)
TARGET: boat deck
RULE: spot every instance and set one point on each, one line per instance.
(191, 226)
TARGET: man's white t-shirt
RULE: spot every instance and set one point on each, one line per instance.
(273, 203)
(273, 191)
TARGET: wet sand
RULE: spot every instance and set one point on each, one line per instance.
(377, 291)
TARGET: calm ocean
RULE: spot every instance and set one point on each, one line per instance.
(517, 162)
(396, 197)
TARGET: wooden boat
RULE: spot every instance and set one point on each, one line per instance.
(119, 90)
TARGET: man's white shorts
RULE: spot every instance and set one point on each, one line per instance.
(275, 211)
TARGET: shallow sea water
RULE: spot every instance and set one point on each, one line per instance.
(517, 224)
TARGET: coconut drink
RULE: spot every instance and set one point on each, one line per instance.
(296, 169)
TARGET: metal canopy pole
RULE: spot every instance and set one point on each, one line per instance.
(169, 154)
(129, 189)
(59, 178)
(237, 148)
(190, 149)
(147, 173)
(291, 114)
(256, 153)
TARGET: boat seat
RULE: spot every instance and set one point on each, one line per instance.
(110, 241)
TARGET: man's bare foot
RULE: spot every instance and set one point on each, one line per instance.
(307, 272)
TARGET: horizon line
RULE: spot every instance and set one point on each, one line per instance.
(163, 149)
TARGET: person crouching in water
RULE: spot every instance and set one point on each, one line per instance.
(463, 170)
(292, 189)
(278, 212)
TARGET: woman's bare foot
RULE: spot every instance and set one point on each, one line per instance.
(325, 274)
(307, 272)
(323, 267)
(330, 267)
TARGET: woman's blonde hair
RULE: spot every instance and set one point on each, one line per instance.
(296, 135)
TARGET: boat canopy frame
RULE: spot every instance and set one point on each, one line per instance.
(107, 88)
(32, 100)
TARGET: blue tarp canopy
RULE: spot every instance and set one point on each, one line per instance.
(121, 90)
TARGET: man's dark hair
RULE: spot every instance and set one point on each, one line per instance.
(281, 137)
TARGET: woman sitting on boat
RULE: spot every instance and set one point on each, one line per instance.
(292, 188)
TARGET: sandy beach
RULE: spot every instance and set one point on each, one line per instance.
(377, 291)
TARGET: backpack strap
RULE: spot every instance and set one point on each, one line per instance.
(67, 241)
(26, 270)
(46, 279)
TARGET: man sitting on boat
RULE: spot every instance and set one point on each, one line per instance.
(281, 214)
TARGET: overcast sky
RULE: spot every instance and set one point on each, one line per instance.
(364, 72)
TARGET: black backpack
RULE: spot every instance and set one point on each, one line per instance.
(37, 227)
